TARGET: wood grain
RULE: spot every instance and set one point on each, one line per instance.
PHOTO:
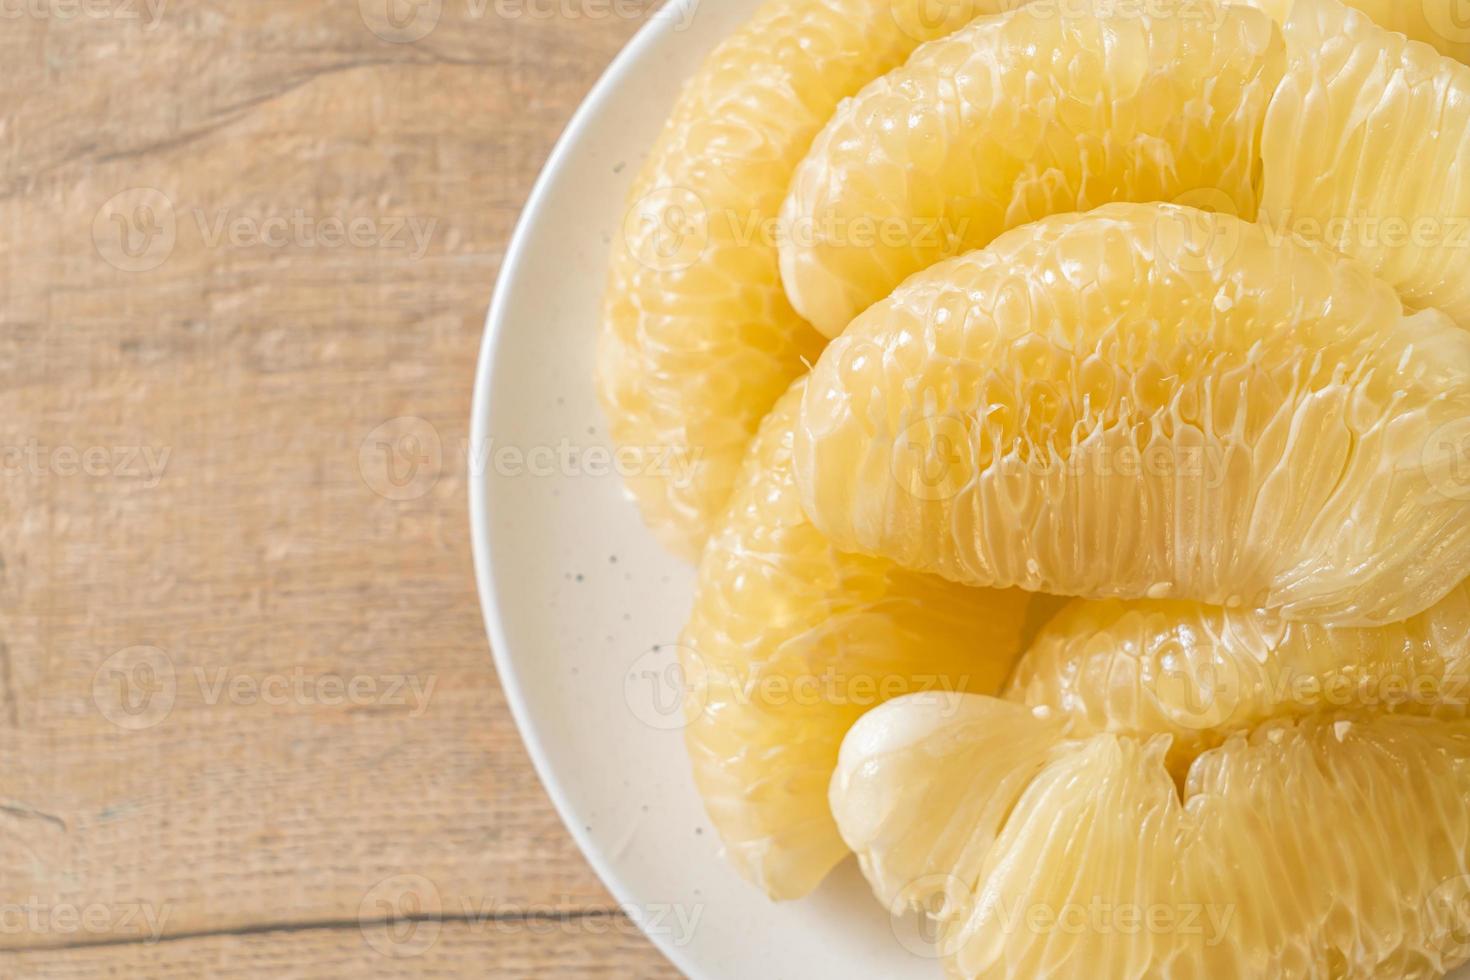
(590, 946)
(245, 255)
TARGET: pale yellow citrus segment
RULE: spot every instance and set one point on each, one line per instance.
(1442, 24)
(1334, 846)
(951, 763)
(697, 339)
(1200, 673)
(1043, 110)
(789, 642)
(1366, 147)
(1149, 400)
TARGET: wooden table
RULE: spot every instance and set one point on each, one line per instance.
(249, 724)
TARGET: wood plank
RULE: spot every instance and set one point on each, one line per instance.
(590, 945)
(203, 549)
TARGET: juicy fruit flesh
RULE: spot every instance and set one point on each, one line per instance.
(698, 335)
(1201, 673)
(1366, 146)
(1147, 400)
(1143, 403)
(790, 642)
(1438, 23)
(1048, 857)
(698, 339)
(1020, 116)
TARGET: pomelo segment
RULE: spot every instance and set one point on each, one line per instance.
(1047, 109)
(698, 340)
(790, 642)
(1443, 24)
(1150, 401)
(1367, 148)
(1200, 673)
(900, 769)
(1335, 846)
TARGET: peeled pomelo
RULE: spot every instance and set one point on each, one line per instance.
(1012, 118)
(1149, 400)
(1334, 846)
(1367, 147)
(697, 338)
(1442, 24)
(790, 642)
(1202, 673)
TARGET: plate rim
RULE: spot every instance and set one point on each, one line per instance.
(478, 484)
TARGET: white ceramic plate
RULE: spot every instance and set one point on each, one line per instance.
(581, 603)
(582, 606)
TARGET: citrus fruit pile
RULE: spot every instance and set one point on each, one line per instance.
(1073, 399)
